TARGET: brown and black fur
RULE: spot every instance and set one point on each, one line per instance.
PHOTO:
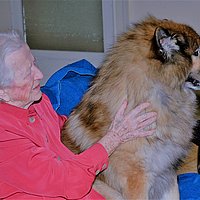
(150, 62)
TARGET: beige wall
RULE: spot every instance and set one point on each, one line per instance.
(183, 11)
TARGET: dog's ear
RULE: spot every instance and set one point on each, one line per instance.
(166, 43)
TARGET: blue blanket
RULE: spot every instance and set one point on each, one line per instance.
(66, 87)
(189, 186)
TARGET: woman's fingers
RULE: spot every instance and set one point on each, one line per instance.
(139, 109)
(143, 120)
(147, 122)
(146, 133)
(137, 134)
(146, 116)
(133, 113)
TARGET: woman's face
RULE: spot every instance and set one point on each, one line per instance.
(25, 87)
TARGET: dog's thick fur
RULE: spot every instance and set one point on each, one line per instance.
(151, 62)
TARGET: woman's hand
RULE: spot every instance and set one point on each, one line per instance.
(134, 124)
(127, 127)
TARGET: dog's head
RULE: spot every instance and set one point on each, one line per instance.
(167, 51)
(173, 47)
(193, 80)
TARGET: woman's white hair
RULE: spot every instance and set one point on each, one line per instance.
(9, 42)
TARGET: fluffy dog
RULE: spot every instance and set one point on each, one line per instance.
(155, 61)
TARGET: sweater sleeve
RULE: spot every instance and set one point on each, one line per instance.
(26, 167)
(62, 119)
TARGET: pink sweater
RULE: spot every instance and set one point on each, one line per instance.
(34, 164)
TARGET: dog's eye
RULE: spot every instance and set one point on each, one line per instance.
(196, 53)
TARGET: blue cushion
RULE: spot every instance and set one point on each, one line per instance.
(66, 87)
(189, 186)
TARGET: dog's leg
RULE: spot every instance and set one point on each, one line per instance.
(173, 193)
(108, 192)
(129, 179)
(164, 186)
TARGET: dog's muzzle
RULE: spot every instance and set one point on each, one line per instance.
(192, 83)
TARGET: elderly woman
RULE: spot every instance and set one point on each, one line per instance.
(34, 164)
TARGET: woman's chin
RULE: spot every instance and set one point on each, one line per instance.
(37, 95)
